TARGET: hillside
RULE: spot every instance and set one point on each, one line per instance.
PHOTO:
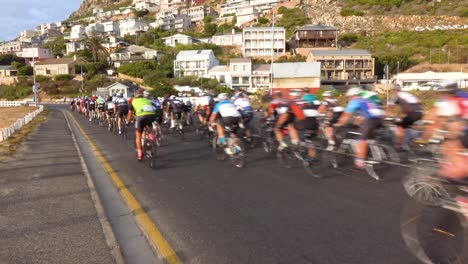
(87, 6)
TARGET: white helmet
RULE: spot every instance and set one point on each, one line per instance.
(172, 97)
(146, 94)
(327, 94)
(354, 91)
(223, 96)
(295, 93)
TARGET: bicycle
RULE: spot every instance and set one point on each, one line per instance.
(157, 133)
(310, 152)
(179, 127)
(269, 142)
(149, 146)
(204, 133)
(233, 148)
(429, 231)
(380, 154)
(124, 128)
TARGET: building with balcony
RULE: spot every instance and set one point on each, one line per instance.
(344, 66)
(165, 4)
(222, 74)
(177, 23)
(132, 26)
(264, 42)
(311, 37)
(231, 39)
(8, 71)
(133, 53)
(74, 46)
(194, 63)
(245, 15)
(77, 32)
(248, 76)
(150, 6)
(12, 47)
(34, 54)
(173, 40)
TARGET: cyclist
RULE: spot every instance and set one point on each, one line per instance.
(72, 104)
(238, 92)
(86, 106)
(110, 110)
(100, 104)
(334, 110)
(187, 110)
(371, 96)
(228, 115)
(157, 105)
(145, 114)
(369, 117)
(247, 112)
(410, 106)
(300, 116)
(92, 107)
(203, 108)
(121, 108)
(174, 108)
(277, 106)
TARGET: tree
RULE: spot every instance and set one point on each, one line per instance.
(8, 59)
(94, 43)
(57, 46)
(25, 71)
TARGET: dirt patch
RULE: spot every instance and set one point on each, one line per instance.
(9, 115)
(439, 68)
(9, 146)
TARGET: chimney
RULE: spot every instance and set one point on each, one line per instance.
(233, 31)
(74, 57)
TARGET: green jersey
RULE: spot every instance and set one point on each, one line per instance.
(372, 96)
(142, 106)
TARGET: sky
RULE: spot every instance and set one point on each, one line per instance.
(19, 15)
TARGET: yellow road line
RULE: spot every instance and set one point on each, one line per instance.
(152, 232)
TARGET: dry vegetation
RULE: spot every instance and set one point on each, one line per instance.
(9, 115)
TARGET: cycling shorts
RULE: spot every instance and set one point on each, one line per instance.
(369, 126)
(101, 108)
(121, 111)
(410, 119)
(336, 116)
(142, 121)
(110, 111)
(309, 123)
(231, 122)
(91, 107)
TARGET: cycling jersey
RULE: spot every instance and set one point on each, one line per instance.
(243, 104)
(110, 106)
(91, 104)
(226, 109)
(156, 103)
(333, 105)
(455, 106)
(278, 106)
(142, 106)
(364, 108)
(100, 103)
(373, 97)
(237, 95)
(121, 102)
(176, 105)
(408, 102)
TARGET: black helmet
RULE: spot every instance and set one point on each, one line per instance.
(109, 99)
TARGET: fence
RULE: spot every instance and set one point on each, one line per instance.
(5, 133)
(12, 103)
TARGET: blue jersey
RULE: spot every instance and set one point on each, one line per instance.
(226, 109)
(156, 103)
(364, 108)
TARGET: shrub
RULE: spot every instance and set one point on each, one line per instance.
(63, 77)
(25, 71)
(42, 78)
(351, 12)
(263, 20)
(94, 67)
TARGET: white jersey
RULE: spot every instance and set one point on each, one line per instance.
(242, 103)
(204, 100)
(110, 105)
(226, 109)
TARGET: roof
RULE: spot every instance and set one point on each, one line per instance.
(8, 67)
(235, 60)
(134, 48)
(317, 27)
(296, 69)
(219, 68)
(261, 67)
(177, 35)
(58, 61)
(263, 28)
(198, 2)
(341, 52)
(430, 75)
(194, 54)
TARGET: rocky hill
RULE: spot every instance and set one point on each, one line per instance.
(88, 5)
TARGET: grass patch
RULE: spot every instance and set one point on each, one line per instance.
(9, 147)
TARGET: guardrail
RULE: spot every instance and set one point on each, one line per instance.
(5, 133)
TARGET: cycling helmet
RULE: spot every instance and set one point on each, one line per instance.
(295, 93)
(109, 98)
(327, 94)
(146, 94)
(223, 96)
(120, 95)
(354, 91)
(310, 98)
(172, 97)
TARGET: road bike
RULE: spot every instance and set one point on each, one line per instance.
(149, 146)
(434, 228)
(267, 134)
(157, 133)
(233, 148)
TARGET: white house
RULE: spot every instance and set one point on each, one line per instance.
(74, 46)
(178, 23)
(152, 7)
(231, 39)
(194, 63)
(128, 90)
(258, 41)
(222, 74)
(77, 31)
(36, 54)
(178, 39)
(245, 15)
(414, 81)
(196, 13)
(133, 53)
(132, 26)
(94, 27)
(174, 3)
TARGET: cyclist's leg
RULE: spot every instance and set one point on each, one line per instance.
(282, 120)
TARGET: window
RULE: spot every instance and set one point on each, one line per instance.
(244, 68)
(234, 68)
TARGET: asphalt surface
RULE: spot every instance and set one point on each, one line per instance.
(46, 211)
(211, 212)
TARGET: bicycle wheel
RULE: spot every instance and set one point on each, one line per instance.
(159, 135)
(316, 165)
(387, 156)
(153, 152)
(238, 157)
(217, 149)
(286, 157)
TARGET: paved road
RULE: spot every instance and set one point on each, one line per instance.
(46, 211)
(212, 212)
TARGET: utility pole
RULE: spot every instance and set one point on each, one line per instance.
(398, 67)
(82, 80)
(272, 51)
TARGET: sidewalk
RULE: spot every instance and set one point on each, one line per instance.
(46, 211)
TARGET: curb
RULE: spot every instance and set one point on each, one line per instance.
(5, 133)
(109, 235)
